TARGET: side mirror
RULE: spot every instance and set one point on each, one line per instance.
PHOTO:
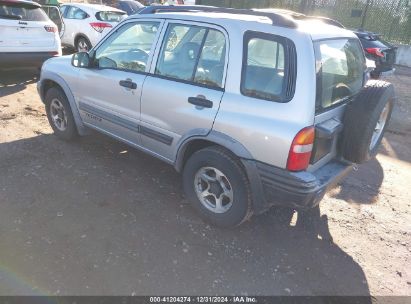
(81, 60)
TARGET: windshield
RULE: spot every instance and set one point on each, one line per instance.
(24, 13)
(340, 70)
(109, 16)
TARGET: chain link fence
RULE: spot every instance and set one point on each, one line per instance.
(391, 18)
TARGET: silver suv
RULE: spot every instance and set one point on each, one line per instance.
(255, 109)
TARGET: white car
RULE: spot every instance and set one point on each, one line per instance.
(86, 24)
(27, 36)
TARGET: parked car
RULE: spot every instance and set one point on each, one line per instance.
(53, 12)
(86, 24)
(382, 52)
(215, 93)
(131, 7)
(27, 36)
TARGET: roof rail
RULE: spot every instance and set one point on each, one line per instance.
(276, 18)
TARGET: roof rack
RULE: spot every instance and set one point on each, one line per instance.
(276, 18)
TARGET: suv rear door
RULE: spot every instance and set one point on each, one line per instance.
(182, 93)
(23, 27)
(340, 76)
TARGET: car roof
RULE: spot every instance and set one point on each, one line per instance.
(315, 28)
(94, 7)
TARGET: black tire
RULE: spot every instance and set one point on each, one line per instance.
(222, 160)
(70, 132)
(82, 41)
(361, 118)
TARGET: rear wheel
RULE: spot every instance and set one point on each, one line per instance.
(217, 187)
(83, 44)
(366, 120)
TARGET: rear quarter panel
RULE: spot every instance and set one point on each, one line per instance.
(266, 128)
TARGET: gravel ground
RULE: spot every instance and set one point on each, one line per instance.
(95, 217)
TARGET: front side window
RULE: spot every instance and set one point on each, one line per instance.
(193, 53)
(340, 70)
(265, 73)
(129, 48)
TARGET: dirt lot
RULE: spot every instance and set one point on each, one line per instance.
(96, 217)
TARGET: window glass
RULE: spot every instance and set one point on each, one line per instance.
(63, 10)
(340, 68)
(129, 48)
(76, 13)
(263, 74)
(110, 16)
(179, 53)
(210, 68)
(20, 12)
(193, 53)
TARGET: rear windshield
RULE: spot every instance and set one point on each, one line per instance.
(110, 16)
(22, 12)
(340, 71)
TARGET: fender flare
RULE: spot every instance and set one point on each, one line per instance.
(246, 159)
(54, 77)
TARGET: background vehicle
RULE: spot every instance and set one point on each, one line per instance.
(382, 52)
(131, 7)
(27, 36)
(86, 24)
(215, 93)
(53, 12)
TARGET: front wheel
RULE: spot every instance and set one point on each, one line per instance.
(59, 114)
(218, 187)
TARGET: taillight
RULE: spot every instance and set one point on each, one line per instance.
(100, 26)
(50, 28)
(54, 54)
(375, 51)
(300, 151)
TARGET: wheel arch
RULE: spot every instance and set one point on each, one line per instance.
(194, 143)
(51, 80)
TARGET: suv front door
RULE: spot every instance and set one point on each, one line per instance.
(108, 94)
(182, 93)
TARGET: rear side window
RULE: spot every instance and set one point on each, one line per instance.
(76, 13)
(268, 67)
(340, 66)
(21, 12)
(193, 54)
(109, 16)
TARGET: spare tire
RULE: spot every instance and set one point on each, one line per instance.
(365, 121)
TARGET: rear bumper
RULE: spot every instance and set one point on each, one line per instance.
(24, 59)
(274, 186)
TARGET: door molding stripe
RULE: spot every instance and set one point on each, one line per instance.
(125, 123)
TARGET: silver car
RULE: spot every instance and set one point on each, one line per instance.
(255, 109)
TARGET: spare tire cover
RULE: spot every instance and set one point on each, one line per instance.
(365, 121)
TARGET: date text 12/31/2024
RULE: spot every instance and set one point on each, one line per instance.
(204, 299)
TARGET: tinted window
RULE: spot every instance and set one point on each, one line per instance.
(193, 53)
(129, 48)
(20, 12)
(263, 73)
(340, 70)
(76, 13)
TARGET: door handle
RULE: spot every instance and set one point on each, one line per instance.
(200, 101)
(128, 84)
